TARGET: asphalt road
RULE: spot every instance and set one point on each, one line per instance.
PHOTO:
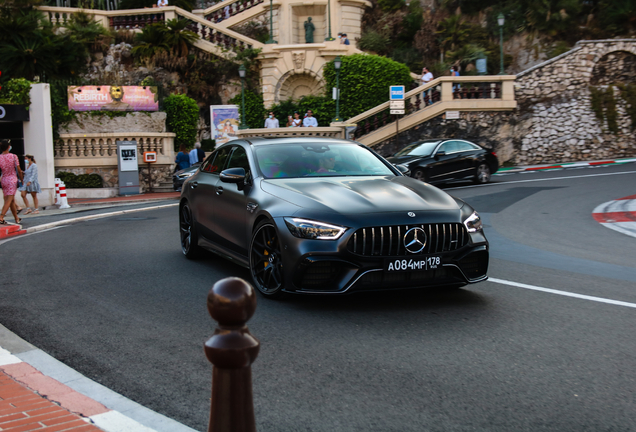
(115, 299)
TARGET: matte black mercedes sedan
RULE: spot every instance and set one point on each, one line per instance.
(441, 160)
(326, 216)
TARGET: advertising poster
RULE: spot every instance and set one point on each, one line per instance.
(113, 98)
(224, 121)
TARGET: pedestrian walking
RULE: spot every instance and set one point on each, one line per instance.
(427, 77)
(183, 159)
(11, 172)
(30, 185)
(310, 120)
(271, 121)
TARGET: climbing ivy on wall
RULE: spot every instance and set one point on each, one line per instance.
(628, 94)
(604, 107)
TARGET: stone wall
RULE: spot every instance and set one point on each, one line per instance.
(132, 122)
(110, 175)
(554, 121)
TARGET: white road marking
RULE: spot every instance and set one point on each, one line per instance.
(563, 293)
(544, 179)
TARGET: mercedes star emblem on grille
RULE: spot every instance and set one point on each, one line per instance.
(415, 240)
(411, 214)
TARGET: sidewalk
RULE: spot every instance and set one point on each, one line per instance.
(39, 393)
(83, 205)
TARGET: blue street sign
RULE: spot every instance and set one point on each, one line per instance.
(396, 92)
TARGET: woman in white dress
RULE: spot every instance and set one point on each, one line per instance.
(30, 185)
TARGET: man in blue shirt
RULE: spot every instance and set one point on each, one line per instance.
(194, 158)
(310, 120)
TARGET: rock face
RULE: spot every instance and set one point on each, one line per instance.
(554, 121)
(132, 122)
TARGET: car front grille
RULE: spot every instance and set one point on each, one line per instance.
(322, 275)
(475, 265)
(387, 241)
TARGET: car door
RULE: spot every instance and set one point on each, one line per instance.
(468, 156)
(203, 192)
(446, 162)
(231, 205)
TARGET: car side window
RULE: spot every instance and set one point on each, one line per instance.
(463, 146)
(449, 147)
(239, 159)
(215, 163)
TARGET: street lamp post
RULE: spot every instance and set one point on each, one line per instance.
(271, 23)
(242, 75)
(329, 38)
(337, 63)
(500, 21)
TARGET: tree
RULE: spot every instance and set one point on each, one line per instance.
(30, 47)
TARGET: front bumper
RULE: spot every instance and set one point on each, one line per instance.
(329, 267)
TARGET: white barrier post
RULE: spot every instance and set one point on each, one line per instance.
(63, 201)
(57, 191)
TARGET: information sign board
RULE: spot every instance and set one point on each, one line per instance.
(396, 92)
(452, 115)
(396, 105)
(397, 111)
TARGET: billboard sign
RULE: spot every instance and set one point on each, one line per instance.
(113, 98)
(224, 121)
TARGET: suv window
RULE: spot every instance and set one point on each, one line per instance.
(215, 163)
(239, 160)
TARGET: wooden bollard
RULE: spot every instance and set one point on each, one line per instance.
(232, 350)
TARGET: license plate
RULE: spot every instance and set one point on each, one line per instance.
(412, 264)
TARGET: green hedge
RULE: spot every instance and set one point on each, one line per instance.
(208, 144)
(182, 118)
(16, 92)
(365, 81)
(254, 108)
(73, 181)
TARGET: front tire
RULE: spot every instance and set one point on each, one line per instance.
(266, 260)
(189, 238)
(482, 173)
(419, 174)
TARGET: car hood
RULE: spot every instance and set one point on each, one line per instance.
(356, 195)
(397, 160)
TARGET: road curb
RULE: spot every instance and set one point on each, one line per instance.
(16, 232)
(618, 215)
(50, 380)
(565, 165)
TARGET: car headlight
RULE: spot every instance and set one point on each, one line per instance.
(310, 229)
(473, 223)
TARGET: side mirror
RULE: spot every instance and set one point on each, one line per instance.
(439, 153)
(234, 175)
(403, 169)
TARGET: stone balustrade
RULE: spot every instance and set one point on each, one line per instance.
(219, 13)
(293, 132)
(467, 92)
(137, 19)
(100, 149)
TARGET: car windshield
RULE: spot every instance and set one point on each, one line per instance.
(418, 149)
(318, 160)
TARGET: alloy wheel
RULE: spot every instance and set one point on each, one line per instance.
(266, 262)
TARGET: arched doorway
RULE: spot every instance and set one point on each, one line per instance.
(614, 67)
(296, 85)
